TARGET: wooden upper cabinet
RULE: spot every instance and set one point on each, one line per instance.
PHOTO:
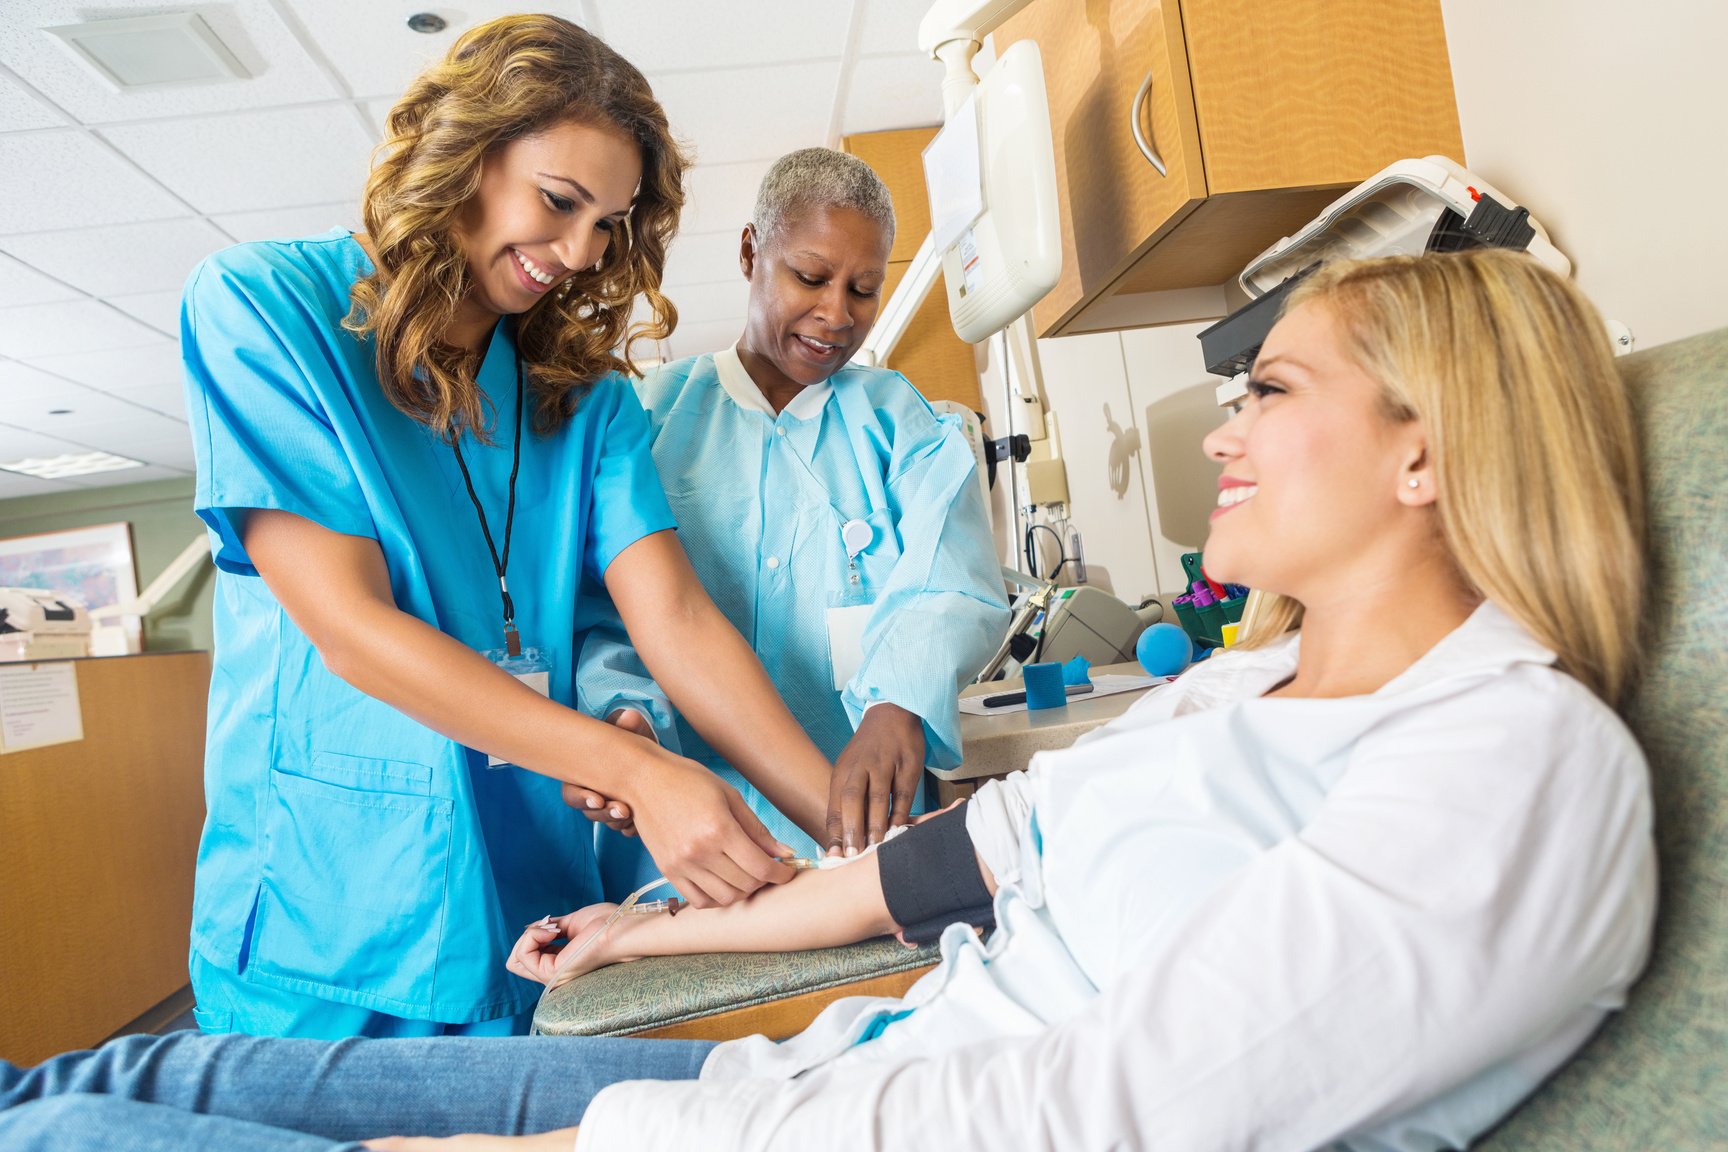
(1262, 112)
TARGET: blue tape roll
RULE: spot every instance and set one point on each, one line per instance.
(1044, 687)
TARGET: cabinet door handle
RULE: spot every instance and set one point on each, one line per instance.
(1146, 148)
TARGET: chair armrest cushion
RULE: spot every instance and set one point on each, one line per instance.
(663, 990)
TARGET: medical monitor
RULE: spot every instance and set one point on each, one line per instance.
(991, 175)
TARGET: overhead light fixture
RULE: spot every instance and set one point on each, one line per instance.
(427, 22)
(80, 464)
(151, 51)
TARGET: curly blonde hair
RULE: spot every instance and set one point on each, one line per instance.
(1541, 497)
(504, 80)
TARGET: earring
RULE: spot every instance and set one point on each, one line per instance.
(1413, 482)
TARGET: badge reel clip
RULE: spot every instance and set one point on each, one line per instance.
(846, 623)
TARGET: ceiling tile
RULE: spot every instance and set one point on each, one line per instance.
(14, 486)
(270, 159)
(167, 399)
(127, 476)
(19, 109)
(22, 285)
(84, 326)
(160, 310)
(720, 112)
(279, 68)
(378, 111)
(69, 180)
(21, 443)
(893, 92)
(290, 223)
(74, 412)
(720, 197)
(168, 452)
(372, 46)
(118, 371)
(18, 381)
(673, 35)
(890, 26)
(120, 259)
(704, 258)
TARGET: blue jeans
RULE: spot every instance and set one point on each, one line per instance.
(256, 1094)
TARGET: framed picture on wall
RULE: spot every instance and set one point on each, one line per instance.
(95, 564)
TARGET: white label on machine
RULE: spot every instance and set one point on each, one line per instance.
(971, 270)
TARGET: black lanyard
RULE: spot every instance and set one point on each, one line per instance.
(512, 639)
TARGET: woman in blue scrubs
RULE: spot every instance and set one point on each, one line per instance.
(414, 448)
(833, 516)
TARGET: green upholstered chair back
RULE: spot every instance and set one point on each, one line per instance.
(1656, 1078)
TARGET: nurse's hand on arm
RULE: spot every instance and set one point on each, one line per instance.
(716, 682)
(615, 814)
(875, 779)
(336, 589)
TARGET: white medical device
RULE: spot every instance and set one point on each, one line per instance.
(991, 177)
(1057, 624)
(973, 429)
(37, 624)
(1406, 209)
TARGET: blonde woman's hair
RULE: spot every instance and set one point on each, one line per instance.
(504, 80)
(1530, 436)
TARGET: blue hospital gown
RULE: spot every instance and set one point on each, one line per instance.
(760, 500)
(351, 853)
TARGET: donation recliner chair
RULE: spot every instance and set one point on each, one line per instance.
(1656, 1078)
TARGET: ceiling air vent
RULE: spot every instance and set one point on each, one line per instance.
(144, 52)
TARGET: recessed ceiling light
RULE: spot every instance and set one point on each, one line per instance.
(427, 22)
(82, 464)
(151, 51)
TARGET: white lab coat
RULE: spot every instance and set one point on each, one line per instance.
(1230, 921)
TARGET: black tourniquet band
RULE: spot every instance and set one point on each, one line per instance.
(930, 878)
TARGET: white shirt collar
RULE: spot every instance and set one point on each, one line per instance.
(1487, 642)
(744, 392)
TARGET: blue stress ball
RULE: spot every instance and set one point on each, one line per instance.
(1164, 649)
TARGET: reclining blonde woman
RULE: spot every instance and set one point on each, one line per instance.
(1361, 884)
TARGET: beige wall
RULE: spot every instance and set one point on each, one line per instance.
(1605, 119)
(1608, 119)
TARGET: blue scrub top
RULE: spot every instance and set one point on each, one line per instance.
(351, 853)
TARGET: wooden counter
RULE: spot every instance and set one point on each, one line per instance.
(97, 843)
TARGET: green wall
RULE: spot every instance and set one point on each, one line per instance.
(160, 512)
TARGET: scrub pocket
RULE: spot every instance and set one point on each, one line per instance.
(212, 1022)
(352, 902)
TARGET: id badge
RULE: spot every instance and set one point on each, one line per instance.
(846, 641)
(531, 668)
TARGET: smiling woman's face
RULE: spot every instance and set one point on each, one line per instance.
(548, 204)
(1315, 468)
(815, 289)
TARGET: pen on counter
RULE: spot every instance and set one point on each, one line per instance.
(1008, 698)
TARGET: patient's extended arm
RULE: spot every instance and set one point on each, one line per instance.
(816, 909)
